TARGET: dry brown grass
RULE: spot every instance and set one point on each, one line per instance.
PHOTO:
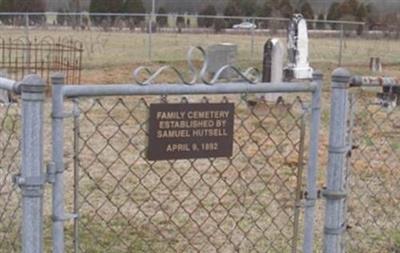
(110, 57)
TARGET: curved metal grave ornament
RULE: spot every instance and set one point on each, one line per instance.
(144, 75)
(298, 66)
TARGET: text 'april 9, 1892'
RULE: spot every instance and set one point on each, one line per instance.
(183, 131)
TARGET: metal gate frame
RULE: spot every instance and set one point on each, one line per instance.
(62, 92)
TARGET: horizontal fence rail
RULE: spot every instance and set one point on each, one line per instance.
(175, 89)
(373, 81)
(9, 85)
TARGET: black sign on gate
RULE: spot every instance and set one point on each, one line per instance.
(184, 131)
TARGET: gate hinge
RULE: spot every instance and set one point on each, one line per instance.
(65, 217)
(74, 113)
(334, 194)
(335, 231)
(51, 173)
(30, 186)
(304, 194)
(28, 181)
(350, 152)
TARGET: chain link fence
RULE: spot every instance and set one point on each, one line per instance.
(373, 204)
(10, 200)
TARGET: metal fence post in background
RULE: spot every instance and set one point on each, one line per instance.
(253, 21)
(335, 192)
(341, 44)
(32, 177)
(26, 18)
(58, 81)
(151, 17)
(311, 197)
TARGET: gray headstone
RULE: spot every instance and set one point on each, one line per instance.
(298, 66)
(219, 55)
(273, 65)
(375, 64)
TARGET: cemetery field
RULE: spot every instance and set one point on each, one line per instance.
(128, 203)
(109, 57)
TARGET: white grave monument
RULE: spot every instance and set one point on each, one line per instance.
(298, 66)
(274, 54)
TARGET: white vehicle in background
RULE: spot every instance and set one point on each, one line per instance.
(245, 25)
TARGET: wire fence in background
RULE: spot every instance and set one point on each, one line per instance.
(167, 37)
(43, 55)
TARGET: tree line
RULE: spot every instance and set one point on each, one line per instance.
(344, 10)
(269, 8)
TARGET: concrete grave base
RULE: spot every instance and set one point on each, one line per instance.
(299, 73)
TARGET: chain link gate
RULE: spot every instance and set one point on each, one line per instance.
(202, 205)
(122, 202)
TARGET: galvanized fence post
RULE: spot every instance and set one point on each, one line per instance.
(335, 192)
(312, 192)
(58, 214)
(32, 177)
